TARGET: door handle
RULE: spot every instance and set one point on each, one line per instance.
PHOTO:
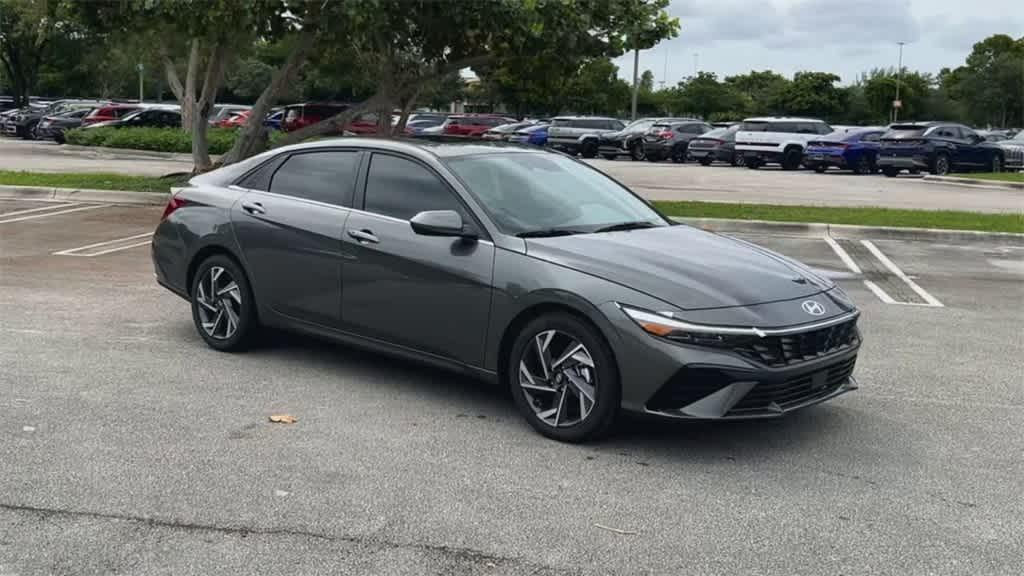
(253, 208)
(363, 236)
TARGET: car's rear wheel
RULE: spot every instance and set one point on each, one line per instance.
(890, 171)
(940, 166)
(738, 160)
(679, 154)
(588, 149)
(791, 158)
(222, 305)
(563, 378)
(820, 168)
(636, 151)
(863, 165)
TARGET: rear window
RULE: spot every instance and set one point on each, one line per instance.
(660, 128)
(716, 133)
(905, 131)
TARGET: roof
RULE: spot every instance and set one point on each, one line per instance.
(781, 119)
(442, 147)
(584, 118)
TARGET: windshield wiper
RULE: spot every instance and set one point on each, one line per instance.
(549, 233)
(638, 225)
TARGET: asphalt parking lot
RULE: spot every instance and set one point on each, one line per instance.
(662, 181)
(128, 446)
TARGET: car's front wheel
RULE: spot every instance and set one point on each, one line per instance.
(588, 149)
(636, 151)
(222, 305)
(940, 166)
(563, 378)
(679, 154)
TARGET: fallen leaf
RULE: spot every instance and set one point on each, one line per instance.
(284, 419)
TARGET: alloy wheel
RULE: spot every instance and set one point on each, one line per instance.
(941, 165)
(220, 303)
(558, 378)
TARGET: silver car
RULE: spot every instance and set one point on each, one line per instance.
(580, 134)
(1013, 157)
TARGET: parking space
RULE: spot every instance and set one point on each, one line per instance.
(120, 425)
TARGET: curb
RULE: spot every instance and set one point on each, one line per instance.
(130, 152)
(973, 182)
(84, 195)
(850, 232)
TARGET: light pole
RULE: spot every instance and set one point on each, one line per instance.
(896, 104)
(696, 55)
(664, 72)
(140, 68)
(636, 84)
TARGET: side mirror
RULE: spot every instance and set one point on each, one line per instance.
(440, 223)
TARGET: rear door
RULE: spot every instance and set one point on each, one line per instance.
(951, 141)
(428, 293)
(973, 153)
(289, 227)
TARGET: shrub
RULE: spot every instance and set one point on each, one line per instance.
(155, 139)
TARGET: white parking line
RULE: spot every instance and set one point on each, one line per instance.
(68, 211)
(51, 207)
(88, 252)
(845, 257)
(931, 300)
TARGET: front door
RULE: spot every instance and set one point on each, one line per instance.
(290, 235)
(428, 293)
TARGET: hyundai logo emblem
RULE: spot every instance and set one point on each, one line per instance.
(813, 308)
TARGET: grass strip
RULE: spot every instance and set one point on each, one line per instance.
(901, 218)
(90, 181)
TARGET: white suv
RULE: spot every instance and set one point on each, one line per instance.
(777, 140)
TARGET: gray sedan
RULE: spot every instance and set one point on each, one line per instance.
(515, 265)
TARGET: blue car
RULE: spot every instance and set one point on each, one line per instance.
(855, 149)
(536, 135)
(273, 121)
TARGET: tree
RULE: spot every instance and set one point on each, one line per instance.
(813, 94)
(760, 92)
(879, 86)
(27, 28)
(597, 89)
(647, 82)
(991, 83)
(704, 96)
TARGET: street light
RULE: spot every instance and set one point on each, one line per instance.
(896, 104)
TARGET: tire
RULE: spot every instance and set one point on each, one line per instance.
(891, 172)
(791, 158)
(738, 160)
(997, 163)
(59, 138)
(588, 149)
(940, 165)
(679, 154)
(863, 166)
(219, 310)
(555, 333)
(706, 161)
(753, 163)
(820, 168)
(636, 151)
(608, 156)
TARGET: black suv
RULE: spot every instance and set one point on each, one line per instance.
(939, 147)
(630, 140)
(671, 139)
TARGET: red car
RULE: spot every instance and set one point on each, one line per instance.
(301, 115)
(236, 120)
(107, 113)
(473, 125)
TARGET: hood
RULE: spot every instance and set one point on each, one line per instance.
(683, 266)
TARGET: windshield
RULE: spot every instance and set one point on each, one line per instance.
(525, 193)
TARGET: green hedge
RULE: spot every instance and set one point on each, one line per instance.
(156, 139)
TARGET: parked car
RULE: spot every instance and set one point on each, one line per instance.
(536, 135)
(6, 117)
(222, 112)
(54, 127)
(854, 149)
(718, 144)
(235, 119)
(518, 266)
(995, 135)
(580, 134)
(301, 115)
(630, 140)
(6, 103)
(503, 132)
(23, 121)
(672, 139)
(938, 147)
(418, 126)
(273, 120)
(777, 140)
(150, 117)
(1013, 152)
(472, 125)
(109, 112)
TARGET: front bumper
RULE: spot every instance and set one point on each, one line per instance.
(613, 147)
(693, 382)
(772, 156)
(819, 158)
(888, 160)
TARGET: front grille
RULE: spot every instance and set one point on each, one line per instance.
(795, 348)
(773, 396)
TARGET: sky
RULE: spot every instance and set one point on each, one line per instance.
(845, 37)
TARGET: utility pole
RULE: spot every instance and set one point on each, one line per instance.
(664, 72)
(636, 84)
(140, 68)
(896, 104)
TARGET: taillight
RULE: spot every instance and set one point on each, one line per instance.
(173, 204)
(665, 135)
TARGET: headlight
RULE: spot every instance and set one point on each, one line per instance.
(664, 326)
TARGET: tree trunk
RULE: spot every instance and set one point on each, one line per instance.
(407, 106)
(201, 112)
(252, 138)
(334, 124)
(189, 103)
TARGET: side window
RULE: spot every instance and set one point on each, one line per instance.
(968, 134)
(824, 129)
(946, 132)
(322, 176)
(259, 179)
(401, 189)
(695, 128)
